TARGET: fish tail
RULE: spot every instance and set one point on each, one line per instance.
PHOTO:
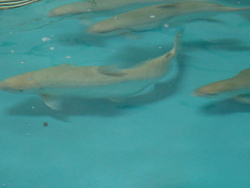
(177, 42)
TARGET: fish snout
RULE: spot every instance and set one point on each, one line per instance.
(16, 84)
(92, 31)
(60, 11)
(217, 89)
(97, 29)
(6, 86)
(205, 91)
(103, 29)
(210, 90)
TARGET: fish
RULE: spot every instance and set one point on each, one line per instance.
(108, 82)
(94, 6)
(165, 14)
(237, 87)
(9, 4)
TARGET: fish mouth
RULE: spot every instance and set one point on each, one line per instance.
(207, 95)
(223, 94)
(11, 90)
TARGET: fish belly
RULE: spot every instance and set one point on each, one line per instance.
(123, 89)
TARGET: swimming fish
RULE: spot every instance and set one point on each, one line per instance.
(8, 4)
(94, 6)
(90, 81)
(237, 87)
(153, 16)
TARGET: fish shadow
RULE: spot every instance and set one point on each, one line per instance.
(224, 107)
(80, 39)
(70, 107)
(100, 107)
(227, 44)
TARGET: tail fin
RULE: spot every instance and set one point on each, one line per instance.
(177, 41)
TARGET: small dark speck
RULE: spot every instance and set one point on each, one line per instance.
(45, 124)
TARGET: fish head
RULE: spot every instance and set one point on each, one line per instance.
(111, 25)
(61, 11)
(18, 84)
(237, 85)
(73, 8)
(220, 89)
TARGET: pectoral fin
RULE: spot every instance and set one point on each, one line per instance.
(53, 102)
(244, 98)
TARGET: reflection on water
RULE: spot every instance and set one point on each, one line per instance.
(6, 4)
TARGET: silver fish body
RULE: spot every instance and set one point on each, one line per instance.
(237, 87)
(95, 6)
(153, 16)
(90, 81)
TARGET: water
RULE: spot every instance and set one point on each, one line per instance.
(164, 138)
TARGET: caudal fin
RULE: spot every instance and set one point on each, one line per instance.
(177, 42)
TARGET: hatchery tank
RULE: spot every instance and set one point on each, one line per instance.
(124, 93)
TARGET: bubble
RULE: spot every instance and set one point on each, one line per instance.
(28, 134)
(22, 62)
(152, 16)
(89, 10)
(64, 11)
(32, 107)
(68, 57)
(166, 25)
(29, 79)
(52, 48)
(116, 18)
(12, 51)
(45, 39)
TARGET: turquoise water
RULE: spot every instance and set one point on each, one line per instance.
(162, 138)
